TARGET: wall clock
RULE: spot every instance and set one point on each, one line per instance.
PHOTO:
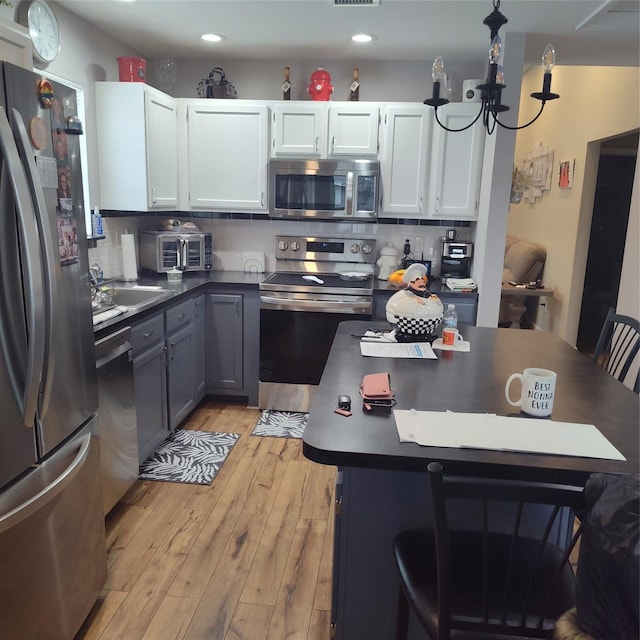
(43, 26)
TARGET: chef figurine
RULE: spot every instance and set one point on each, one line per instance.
(414, 312)
(320, 87)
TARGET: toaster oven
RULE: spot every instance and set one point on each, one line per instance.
(161, 251)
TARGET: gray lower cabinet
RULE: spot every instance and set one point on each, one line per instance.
(232, 343)
(169, 370)
(150, 379)
(466, 305)
(197, 358)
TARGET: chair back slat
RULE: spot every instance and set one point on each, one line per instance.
(618, 346)
(524, 602)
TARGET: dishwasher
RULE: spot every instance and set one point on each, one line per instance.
(117, 427)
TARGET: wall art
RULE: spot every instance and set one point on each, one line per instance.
(565, 177)
(538, 166)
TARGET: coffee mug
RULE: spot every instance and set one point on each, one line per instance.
(538, 390)
(451, 336)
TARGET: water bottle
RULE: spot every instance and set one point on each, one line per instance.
(451, 317)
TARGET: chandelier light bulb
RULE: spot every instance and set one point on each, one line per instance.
(500, 74)
(437, 70)
(548, 58)
(495, 51)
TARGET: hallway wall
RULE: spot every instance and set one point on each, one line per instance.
(597, 103)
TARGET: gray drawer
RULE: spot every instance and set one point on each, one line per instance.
(179, 315)
(147, 333)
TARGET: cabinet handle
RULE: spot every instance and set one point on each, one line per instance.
(172, 350)
(155, 196)
(148, 335)
(333, 143)
(438, 203)
(262, 199)
(180, 316)
(420, 204)
(316, 145)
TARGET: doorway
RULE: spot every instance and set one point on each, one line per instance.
(614, 185)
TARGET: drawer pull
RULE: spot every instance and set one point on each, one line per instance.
(148, 334)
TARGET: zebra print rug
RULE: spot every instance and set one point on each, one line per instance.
(281, 424)
(192, 457)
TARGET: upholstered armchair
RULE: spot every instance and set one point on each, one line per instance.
(523, 262)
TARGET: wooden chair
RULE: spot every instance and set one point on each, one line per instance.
(498, 583)
(617, 348)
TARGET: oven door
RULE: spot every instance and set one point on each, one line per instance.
(295, 344)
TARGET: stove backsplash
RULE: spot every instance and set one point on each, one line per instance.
(238, 243)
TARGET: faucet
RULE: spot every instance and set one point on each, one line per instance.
(95, 273)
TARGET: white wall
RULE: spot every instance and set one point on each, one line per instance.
(596, 103)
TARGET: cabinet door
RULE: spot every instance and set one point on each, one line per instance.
(353, 130)
(227, 151)
(224, 341)
(180, 348)
(299, 129)
(406, 133)
(150, 379)
(137, 147)
(162, 150)
(456, 163)
(197, 356)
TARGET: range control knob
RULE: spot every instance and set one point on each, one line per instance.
(283, 245)
(295, 246)
(355, 248)
(367, 248)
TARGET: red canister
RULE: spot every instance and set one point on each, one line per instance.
(132, 69)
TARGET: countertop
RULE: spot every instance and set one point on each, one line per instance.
(468, 382)
(191, 282)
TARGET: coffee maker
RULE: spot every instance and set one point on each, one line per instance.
(456, 259)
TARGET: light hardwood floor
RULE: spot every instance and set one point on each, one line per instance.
(247, 558)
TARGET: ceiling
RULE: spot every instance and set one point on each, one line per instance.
(582, 31)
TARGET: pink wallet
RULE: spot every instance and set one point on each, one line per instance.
(376, 391)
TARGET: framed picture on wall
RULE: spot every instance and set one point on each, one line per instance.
(565, 177)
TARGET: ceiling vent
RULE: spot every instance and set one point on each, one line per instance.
(356, 3)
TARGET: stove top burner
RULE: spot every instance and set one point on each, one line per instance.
(331, 283)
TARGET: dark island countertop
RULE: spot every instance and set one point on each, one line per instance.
(468, 382)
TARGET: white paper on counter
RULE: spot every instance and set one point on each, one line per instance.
(502, 433)
(397, 350)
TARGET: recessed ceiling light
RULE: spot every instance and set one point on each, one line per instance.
(362, 37)
(212, 37)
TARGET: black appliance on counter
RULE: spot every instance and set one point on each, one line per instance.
(456, 259)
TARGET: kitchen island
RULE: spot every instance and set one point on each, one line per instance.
(382, 485)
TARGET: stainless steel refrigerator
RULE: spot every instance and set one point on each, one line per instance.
(52, 538)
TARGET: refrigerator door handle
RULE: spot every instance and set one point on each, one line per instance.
(27, 397)
(51, 491)
(47, 257)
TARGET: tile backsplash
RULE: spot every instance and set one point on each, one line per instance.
(237, 241)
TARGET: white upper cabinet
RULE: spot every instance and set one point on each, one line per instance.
(137, 147)
(353, 130)
(324, 129)
(299, 129)
(456, 163)
(227, 151)
(405, 136)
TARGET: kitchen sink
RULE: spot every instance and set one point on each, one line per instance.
(138, 296)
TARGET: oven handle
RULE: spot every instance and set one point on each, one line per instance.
(269, 302)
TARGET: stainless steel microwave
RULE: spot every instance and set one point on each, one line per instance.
(324, 189)
(161, 251)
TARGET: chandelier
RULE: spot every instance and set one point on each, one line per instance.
(491, 91)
